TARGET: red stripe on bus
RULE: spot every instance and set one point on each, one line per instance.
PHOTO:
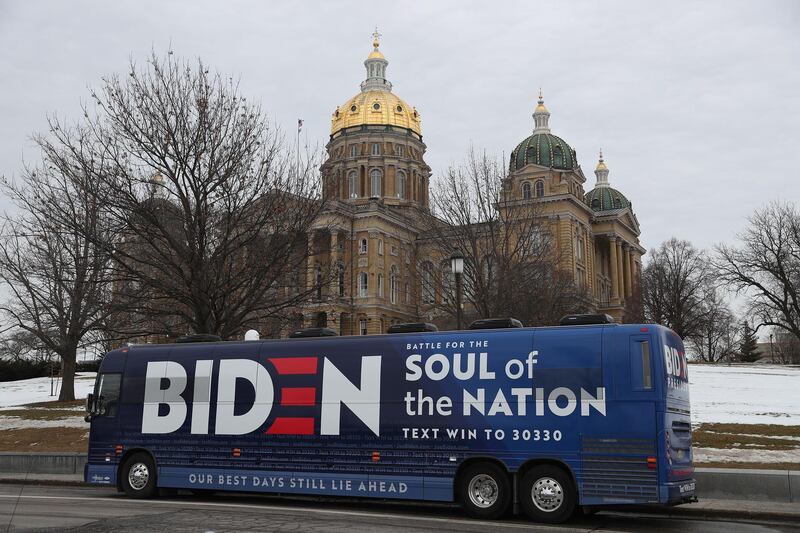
(292, 426)
(295, 365)
(300, 396)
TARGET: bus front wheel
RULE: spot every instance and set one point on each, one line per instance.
(139, 476)
(547, 495)
(484, 490)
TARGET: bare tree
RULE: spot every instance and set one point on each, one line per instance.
(716, 337)
(784, 347)
(673, 283)
(212, 209)
(510, 259)
(767, 266)
(22, 345)
(54, 261)
(634, 307)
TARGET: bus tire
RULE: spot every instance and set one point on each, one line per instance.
(139, 476)
(546, 494)
(484, 490)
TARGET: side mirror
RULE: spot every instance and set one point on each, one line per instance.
(89, 403)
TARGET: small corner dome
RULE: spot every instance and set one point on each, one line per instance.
(606, 199)
(544, 149)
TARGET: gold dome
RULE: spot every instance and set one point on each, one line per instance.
(376, 107)
(375, 54)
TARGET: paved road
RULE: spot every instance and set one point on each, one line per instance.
(90, 509)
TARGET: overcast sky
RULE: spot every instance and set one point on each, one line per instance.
(695, 104)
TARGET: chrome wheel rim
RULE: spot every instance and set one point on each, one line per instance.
(483, 491)
(547, 494)
(138, 476)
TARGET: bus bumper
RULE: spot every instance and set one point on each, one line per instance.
(105, 474)
(679, 492)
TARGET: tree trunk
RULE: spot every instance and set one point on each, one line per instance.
(67, 393)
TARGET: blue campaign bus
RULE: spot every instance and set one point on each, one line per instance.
(549, 419)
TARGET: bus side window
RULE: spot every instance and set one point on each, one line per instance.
(641, 367)
(108, 394)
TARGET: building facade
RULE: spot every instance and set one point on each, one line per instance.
(376, 186)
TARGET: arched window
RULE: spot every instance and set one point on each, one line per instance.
(617, 202)
(401, 184)
(362, 247)
(380, 246)
(375, 182)
(363, 285)
(393, 284)
(558, 157)
(318, 281)
(340, 275)
(488, 270)
(428, 290)
(352, 184)
(595, 203)
(526, 190)
(376, 149)
(353, 150)
(539, 189)
(447, 281)
(380, 286)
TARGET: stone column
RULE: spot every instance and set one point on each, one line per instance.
(626, 263)
(612, 247)
(310, 265)
(334, 264)
(620, 270)
(632, 260)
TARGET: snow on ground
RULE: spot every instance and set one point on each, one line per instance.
(25, 391)
(742, 455)
(74, 421)
(745, 394)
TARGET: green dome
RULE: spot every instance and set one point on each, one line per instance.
(606, 199)
(543, 149)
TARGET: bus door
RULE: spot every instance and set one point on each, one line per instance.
(104, 432)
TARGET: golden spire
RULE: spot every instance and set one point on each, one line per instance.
(376, 38)
(376, 54)
(541, 116)
(540, 103)
(601, 164)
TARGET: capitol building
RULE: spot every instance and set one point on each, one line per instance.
(376, 185)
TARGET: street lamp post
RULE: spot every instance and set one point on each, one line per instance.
(771, 349)
(457, 266)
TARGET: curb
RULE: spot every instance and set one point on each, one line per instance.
(728, 512)
(44, 482)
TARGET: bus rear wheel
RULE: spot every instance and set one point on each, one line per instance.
(139, 476)
(547, 495)
(484, 490)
